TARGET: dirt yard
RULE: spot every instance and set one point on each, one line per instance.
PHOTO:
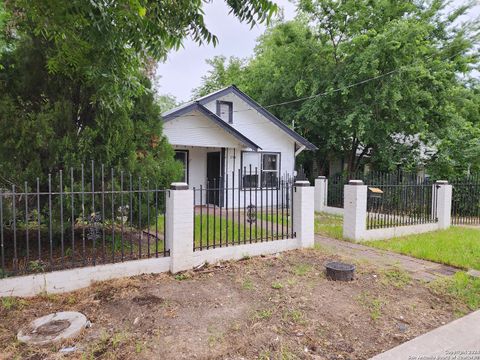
(278, 307)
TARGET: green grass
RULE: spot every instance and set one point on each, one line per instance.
(461, 287)
(456, 246)
(285, 219)
(329, 225)
(218, 228)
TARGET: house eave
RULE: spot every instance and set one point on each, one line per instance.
(276, 121)
(217, 120)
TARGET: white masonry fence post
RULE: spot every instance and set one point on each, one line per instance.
(179, 223)
(303, 213)
(321, 187)
(444, 204)
(355, 210)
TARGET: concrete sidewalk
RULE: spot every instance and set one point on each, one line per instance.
(417, 268)
(458, 340)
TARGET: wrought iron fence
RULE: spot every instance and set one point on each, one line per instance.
(401, 205)
(336, 183)
(85, 218)
(466, 200)
(242, 209)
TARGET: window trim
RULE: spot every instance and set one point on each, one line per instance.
(230, 110)
(187, 167)
(278, 171)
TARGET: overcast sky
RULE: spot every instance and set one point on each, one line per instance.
(183, 69)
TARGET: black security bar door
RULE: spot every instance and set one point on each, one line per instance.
(213, 177)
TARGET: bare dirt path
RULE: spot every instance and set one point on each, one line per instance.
(276, 307)
(417, 268)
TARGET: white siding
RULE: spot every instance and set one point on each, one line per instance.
(195, 129)
(199, 135)
(255, 126)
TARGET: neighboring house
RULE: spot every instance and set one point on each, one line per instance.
(227, 140)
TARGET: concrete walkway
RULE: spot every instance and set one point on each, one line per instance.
(459, 340)
(417, 268)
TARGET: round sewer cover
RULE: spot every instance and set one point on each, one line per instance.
(53, 328)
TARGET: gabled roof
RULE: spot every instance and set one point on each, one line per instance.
(192, 106)
(233, 89)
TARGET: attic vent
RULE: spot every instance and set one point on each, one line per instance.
(225, 110)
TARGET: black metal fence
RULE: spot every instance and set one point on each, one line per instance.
(466, 200)
(336, 183)
(83, 218)
(401, 205)
(242, 209)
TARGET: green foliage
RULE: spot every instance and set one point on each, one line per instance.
(464, 289)
(73, 83)
(380, 82)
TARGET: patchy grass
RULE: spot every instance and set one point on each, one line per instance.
(237, 311)
(11, 303)
(263, 314)
(277, 286)
(329, 225)
(302, 269)
(372, 303)
(247, 284)
(457, 246)
(463, 289)
(396, 277)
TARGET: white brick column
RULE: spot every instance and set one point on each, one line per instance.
(321, 187)
(444, 204)
(355, 210)
(179, 231)
(304, 213)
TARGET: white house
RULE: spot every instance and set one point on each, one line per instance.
(227, 140)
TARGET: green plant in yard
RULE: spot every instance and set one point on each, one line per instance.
(263, 314)
(247, 284)
(295, 316)
(329, 225)
(456, 246)
(12, 303)
(277, 285)
(302, 269)
(462, 288)
(182, 276)
(373, 304)
(396, 277)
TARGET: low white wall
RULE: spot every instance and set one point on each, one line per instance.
(333, 210)
(179, 237)
(388, 233)
(69, 280)
(240, 251)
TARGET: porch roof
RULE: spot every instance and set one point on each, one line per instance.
(196, 106)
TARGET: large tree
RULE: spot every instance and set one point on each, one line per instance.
(362, 79)
(74, 86)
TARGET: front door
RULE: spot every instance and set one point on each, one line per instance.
(213, 177)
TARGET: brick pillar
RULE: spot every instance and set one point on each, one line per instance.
(355, 210)
(179, 231)
(444, 204)
(303, 213)
(321, 187)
